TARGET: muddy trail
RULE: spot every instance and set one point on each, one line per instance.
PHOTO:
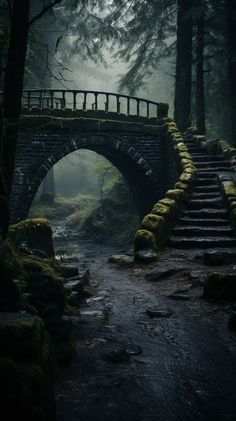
(148, 346)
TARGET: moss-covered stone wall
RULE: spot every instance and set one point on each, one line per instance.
(156, 226)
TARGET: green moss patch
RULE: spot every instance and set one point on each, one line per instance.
(144, 239)
(177, 194)
(44, 288)
(162, 210)
(34, 233)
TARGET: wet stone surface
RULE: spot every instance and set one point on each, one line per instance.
(176, 366)
(158, 312)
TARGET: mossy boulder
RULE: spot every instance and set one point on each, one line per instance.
(200, 138)
(144, 239)
(223, 146)
(176, 137)
(176, 194)
(187, 178)
(181, 148)
(157, 225)
(162, 210)
(188, 164)
(27, 369)
(172, 130)
(186, 161)
(230, 189)
(153, 223)
(185, 155)
(190, 170)
(34, 233)
(44, 288)
(171, 203)
(181, 186)
(220, 286)
(172, 124)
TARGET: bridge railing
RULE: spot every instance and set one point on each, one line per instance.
(92, 100)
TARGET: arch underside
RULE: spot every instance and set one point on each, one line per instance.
(131, 163)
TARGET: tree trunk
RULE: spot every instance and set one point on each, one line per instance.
(200, 92)
(230, 11)
(13, 85)
(183, 83)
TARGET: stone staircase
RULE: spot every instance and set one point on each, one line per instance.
(205, 222)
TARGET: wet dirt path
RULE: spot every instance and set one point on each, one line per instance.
(131, 367)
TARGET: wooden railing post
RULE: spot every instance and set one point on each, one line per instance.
(85, 101)
(128, 106)
(96, 101)
(148, 111)
(29, 100)
(74, 100)
(107, 103)
(118, 104)
(63, 103)
(51, 99)
(138, 107)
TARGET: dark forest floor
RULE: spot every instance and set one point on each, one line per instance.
(131, 367)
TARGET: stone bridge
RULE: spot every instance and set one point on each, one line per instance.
(129, 131)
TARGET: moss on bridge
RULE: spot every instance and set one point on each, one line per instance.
(72, 120)
(165, 212)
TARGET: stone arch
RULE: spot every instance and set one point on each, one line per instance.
(132, 165)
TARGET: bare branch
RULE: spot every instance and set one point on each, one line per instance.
(43, 11)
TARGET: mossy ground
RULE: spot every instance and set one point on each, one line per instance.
(62, 207)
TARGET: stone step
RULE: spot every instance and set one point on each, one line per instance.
(207, 175)
(205, 157)
(210, 172)
(203, 231)
(194, 149)
(211, 164)
(216, 222)
(201, 195)
(192, 144)
(205, 213)
(207, 189)
(201, 243)
(202, 181)
(209, 203)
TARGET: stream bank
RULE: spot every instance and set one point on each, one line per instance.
(148, 347)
